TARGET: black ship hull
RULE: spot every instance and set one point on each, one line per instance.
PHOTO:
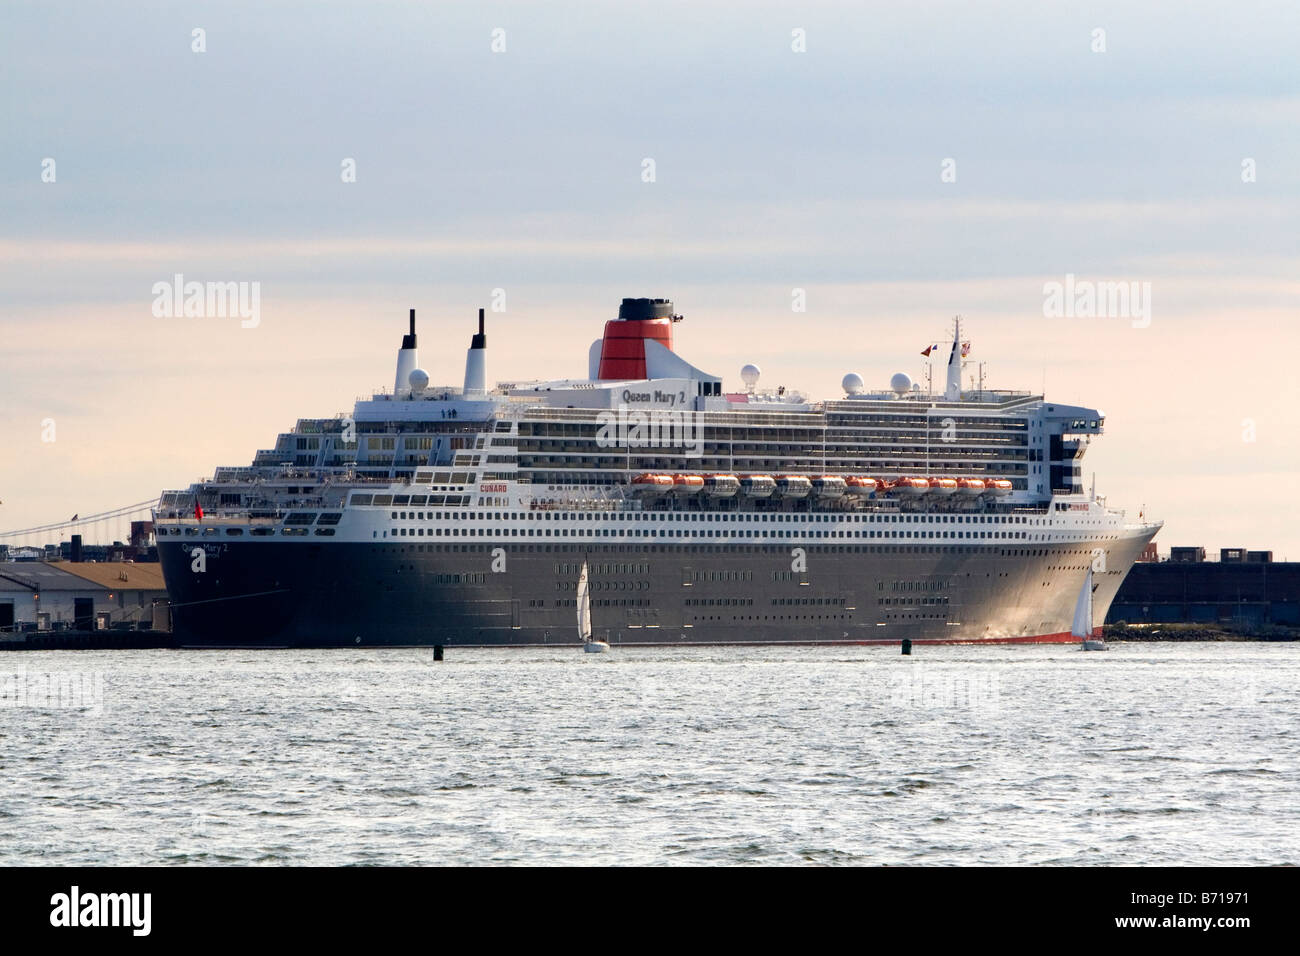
(281, 594)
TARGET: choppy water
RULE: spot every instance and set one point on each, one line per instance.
(1151, 753)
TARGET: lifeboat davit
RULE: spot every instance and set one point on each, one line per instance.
(910, 486)
(861, 486)
(721, 486)
(999, 486)
(943, 486)
(649, 486)
(757, 486)
(829, 486)
(971, 486)
(793, 486)
(688, 484)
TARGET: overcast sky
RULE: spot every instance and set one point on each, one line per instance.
(774, 170)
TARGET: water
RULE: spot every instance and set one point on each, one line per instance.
(1150, 753)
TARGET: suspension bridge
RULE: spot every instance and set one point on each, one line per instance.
(105, 527)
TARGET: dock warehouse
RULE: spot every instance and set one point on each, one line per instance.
(78, 596)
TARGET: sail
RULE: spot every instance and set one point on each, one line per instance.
(1082, 626)
(584, 605)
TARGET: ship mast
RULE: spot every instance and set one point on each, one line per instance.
(953, 392)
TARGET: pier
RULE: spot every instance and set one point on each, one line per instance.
(1190, 590)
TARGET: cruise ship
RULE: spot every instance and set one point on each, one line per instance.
(463, 515)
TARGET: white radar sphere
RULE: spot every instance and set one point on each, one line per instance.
(852, 383)
(419, 380)
(749, 375)
(900, 383)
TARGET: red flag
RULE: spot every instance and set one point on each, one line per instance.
(198, 510)
(965, 349)
(927, 351)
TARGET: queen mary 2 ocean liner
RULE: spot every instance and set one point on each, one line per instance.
(464, 515)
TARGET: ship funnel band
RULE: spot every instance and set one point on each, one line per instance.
(622, 351)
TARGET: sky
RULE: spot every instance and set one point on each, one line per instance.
(899, 163)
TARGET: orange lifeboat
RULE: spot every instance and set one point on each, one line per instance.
(757, 486)
(688, 484)
(911, 486)
(971, 486)
(861, 487)
(943, 486)
(999, 486)
(649, 485)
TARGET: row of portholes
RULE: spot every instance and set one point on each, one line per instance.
(605, 585)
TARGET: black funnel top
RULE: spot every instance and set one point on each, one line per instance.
(646, 309)
(480, 340)
(408, 341)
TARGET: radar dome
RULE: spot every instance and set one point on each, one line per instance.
(419, 380)
(749, 375)
(900, 383)
(852, 383)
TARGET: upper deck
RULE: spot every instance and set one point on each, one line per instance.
(599, 433)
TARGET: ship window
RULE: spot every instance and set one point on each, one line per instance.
(362, 499)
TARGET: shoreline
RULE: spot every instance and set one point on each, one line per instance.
(162, 640)
(1181, 632)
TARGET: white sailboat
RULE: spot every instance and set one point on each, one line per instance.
(589, 644)
(1082, 626)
